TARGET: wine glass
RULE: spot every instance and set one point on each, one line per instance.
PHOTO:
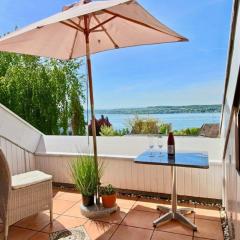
(151, 145)
(160, 144)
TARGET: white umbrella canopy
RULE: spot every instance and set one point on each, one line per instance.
(89, 27)
(112, 24)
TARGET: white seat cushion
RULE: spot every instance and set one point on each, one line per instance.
(29, 178)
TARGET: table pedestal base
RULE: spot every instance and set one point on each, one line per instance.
(178, 216)
(183, 211)
(173, 212)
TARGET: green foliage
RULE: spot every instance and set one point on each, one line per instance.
(187, 132)
(46, 93)
(144, 125)
(77, 113)
(109, 131)
(165, 128)
(122, 132)
(85, 174)
(107, 190)
(154, 126)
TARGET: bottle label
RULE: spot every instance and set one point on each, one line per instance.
(171, 149)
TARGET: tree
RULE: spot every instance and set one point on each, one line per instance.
(46, 93)
(77, 113)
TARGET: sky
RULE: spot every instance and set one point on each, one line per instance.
(167, 74)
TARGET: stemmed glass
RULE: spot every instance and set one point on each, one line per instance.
(159, 144)
(151, 145)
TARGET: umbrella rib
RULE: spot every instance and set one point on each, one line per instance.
(106, 32)
(74, 41)
(71, 26)
(76, 25)
(141, 23)
(98, 30)
(102, 23)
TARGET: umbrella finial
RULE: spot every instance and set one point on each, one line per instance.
(85, 1)
(81, 2)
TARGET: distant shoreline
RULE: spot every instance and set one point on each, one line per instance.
(216, 108)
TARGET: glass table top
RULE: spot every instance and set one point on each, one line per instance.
(181, 159)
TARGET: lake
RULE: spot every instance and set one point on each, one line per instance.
(178, 120)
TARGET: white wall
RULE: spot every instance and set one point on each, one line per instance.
(232, 73)
(231, 178)
(55, 153)
(17, 130)
(129, 146)
(123, 173)
(232, 184)
(19, 160)
(18, 141)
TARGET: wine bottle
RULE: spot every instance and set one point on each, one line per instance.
(171, 145)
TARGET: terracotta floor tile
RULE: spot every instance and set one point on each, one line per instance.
(40, 236)
(16, 233)
(60, 206)
(135, 219)
(208, 229)
(35, 222)
(74, 211)
(64, 222)
(197, 238)
(131, 233)
(175, 227)
(100, 230)
(159, 235)
(57, 192)
(209, 214)
(69, 196)
(116, 217)
(125, 203)
(149, 205)
(190, 215)
(140, 219)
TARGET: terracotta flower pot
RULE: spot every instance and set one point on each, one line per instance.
(108, 201)
(88, 200)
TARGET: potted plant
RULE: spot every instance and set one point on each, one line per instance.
(85, 177)
(108, 194)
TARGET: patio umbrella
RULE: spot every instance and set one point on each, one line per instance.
(89, 27)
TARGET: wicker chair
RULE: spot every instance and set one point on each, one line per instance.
(19, 198)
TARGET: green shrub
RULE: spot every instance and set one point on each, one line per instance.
(123, 132)
(85, 175)
(187, 132)
(144, 125)
(107, 190)
(165, 128)
(109, 131)
(149, 126)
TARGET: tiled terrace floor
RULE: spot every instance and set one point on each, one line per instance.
(133, 222)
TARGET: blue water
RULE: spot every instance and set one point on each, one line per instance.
(178, 120)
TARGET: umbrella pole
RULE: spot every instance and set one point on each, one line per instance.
(89, 68)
